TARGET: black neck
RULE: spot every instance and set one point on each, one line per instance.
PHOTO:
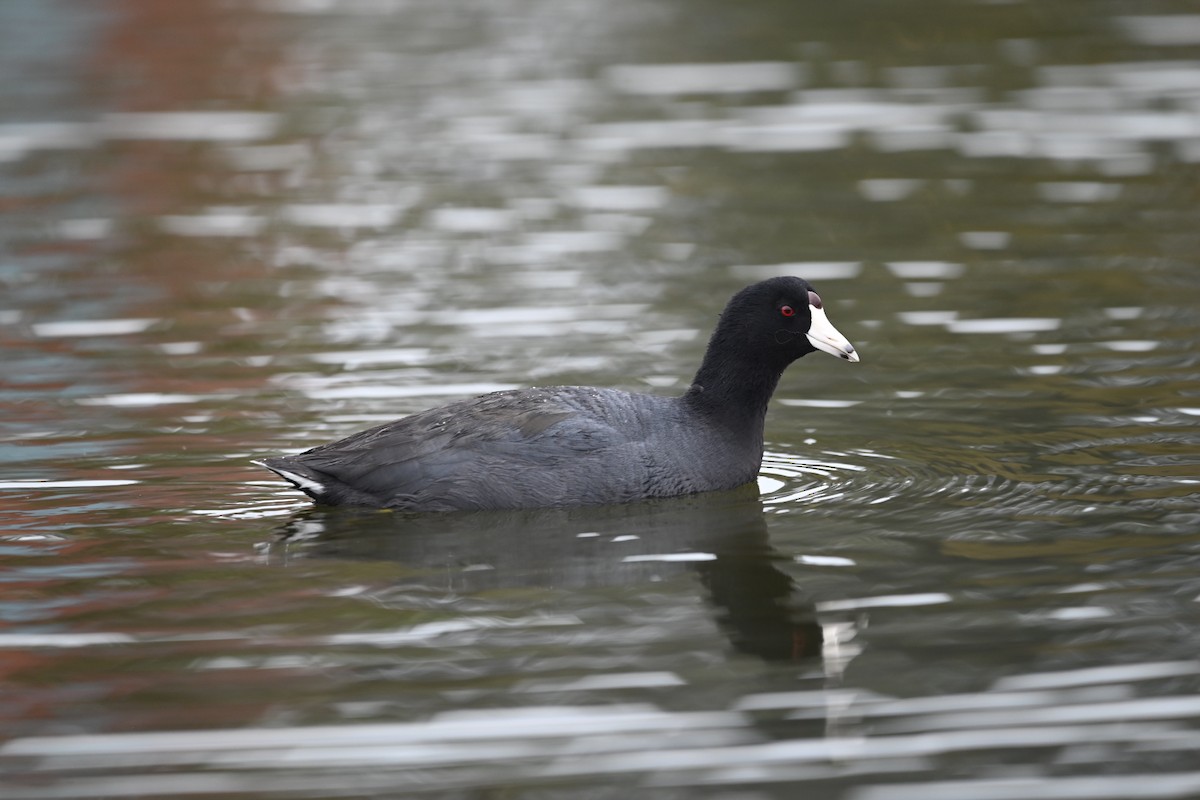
(734, 392)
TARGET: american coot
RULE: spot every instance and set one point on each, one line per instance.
(581, 445)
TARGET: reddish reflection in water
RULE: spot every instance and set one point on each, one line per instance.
(201, 56)
(161, 89)
(176, 56)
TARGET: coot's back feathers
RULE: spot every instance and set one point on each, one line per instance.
(577, 445)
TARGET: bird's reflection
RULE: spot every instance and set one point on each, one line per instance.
(721, 537)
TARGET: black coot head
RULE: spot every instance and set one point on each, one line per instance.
(782, 319)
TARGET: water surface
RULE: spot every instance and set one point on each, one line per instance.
(968, 568)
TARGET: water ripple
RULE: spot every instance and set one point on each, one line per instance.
(972, 470)
(865, 477)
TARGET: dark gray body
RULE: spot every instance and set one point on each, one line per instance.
(556, 446)
(579, 445)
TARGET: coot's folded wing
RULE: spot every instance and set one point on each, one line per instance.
(501, 450)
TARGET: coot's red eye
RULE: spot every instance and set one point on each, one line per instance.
(787, 311)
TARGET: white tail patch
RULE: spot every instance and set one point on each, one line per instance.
(301, 482)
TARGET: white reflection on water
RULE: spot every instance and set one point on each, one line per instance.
(924, 270)
(888, 190)
(19, 139)
(144, 399)
(1090, 112)
(620, 136)
(180, 348)
(606, 681)
(473, 220)
(927, 317)
(349, 740)
(618, 198)
(217, 222)
(824, 119)
(356, 358)
(554, 743)
(346, 215)
(886, 601)
(284, 507)
(1004, 325)
(786, 481)
(548, 314)
(814, 271)
(824, 403)
(669, 557)
(84, 229)
(424, 632)
(19, 641)
(415, 390)
(547, 279)
(768, 485)
(1108, 787)
(1091, 128)
(1122, 673)
(556, 243)
(1073, 614)
(36, 483)
(819, 120)
(548, 247)
(985, 240)
(209, 126)
(93, 327)
(824, 561)
(1131, 345)
(924, 288)
(672, 79)
(1149, 709)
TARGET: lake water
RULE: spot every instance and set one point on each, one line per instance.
(970, 568)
